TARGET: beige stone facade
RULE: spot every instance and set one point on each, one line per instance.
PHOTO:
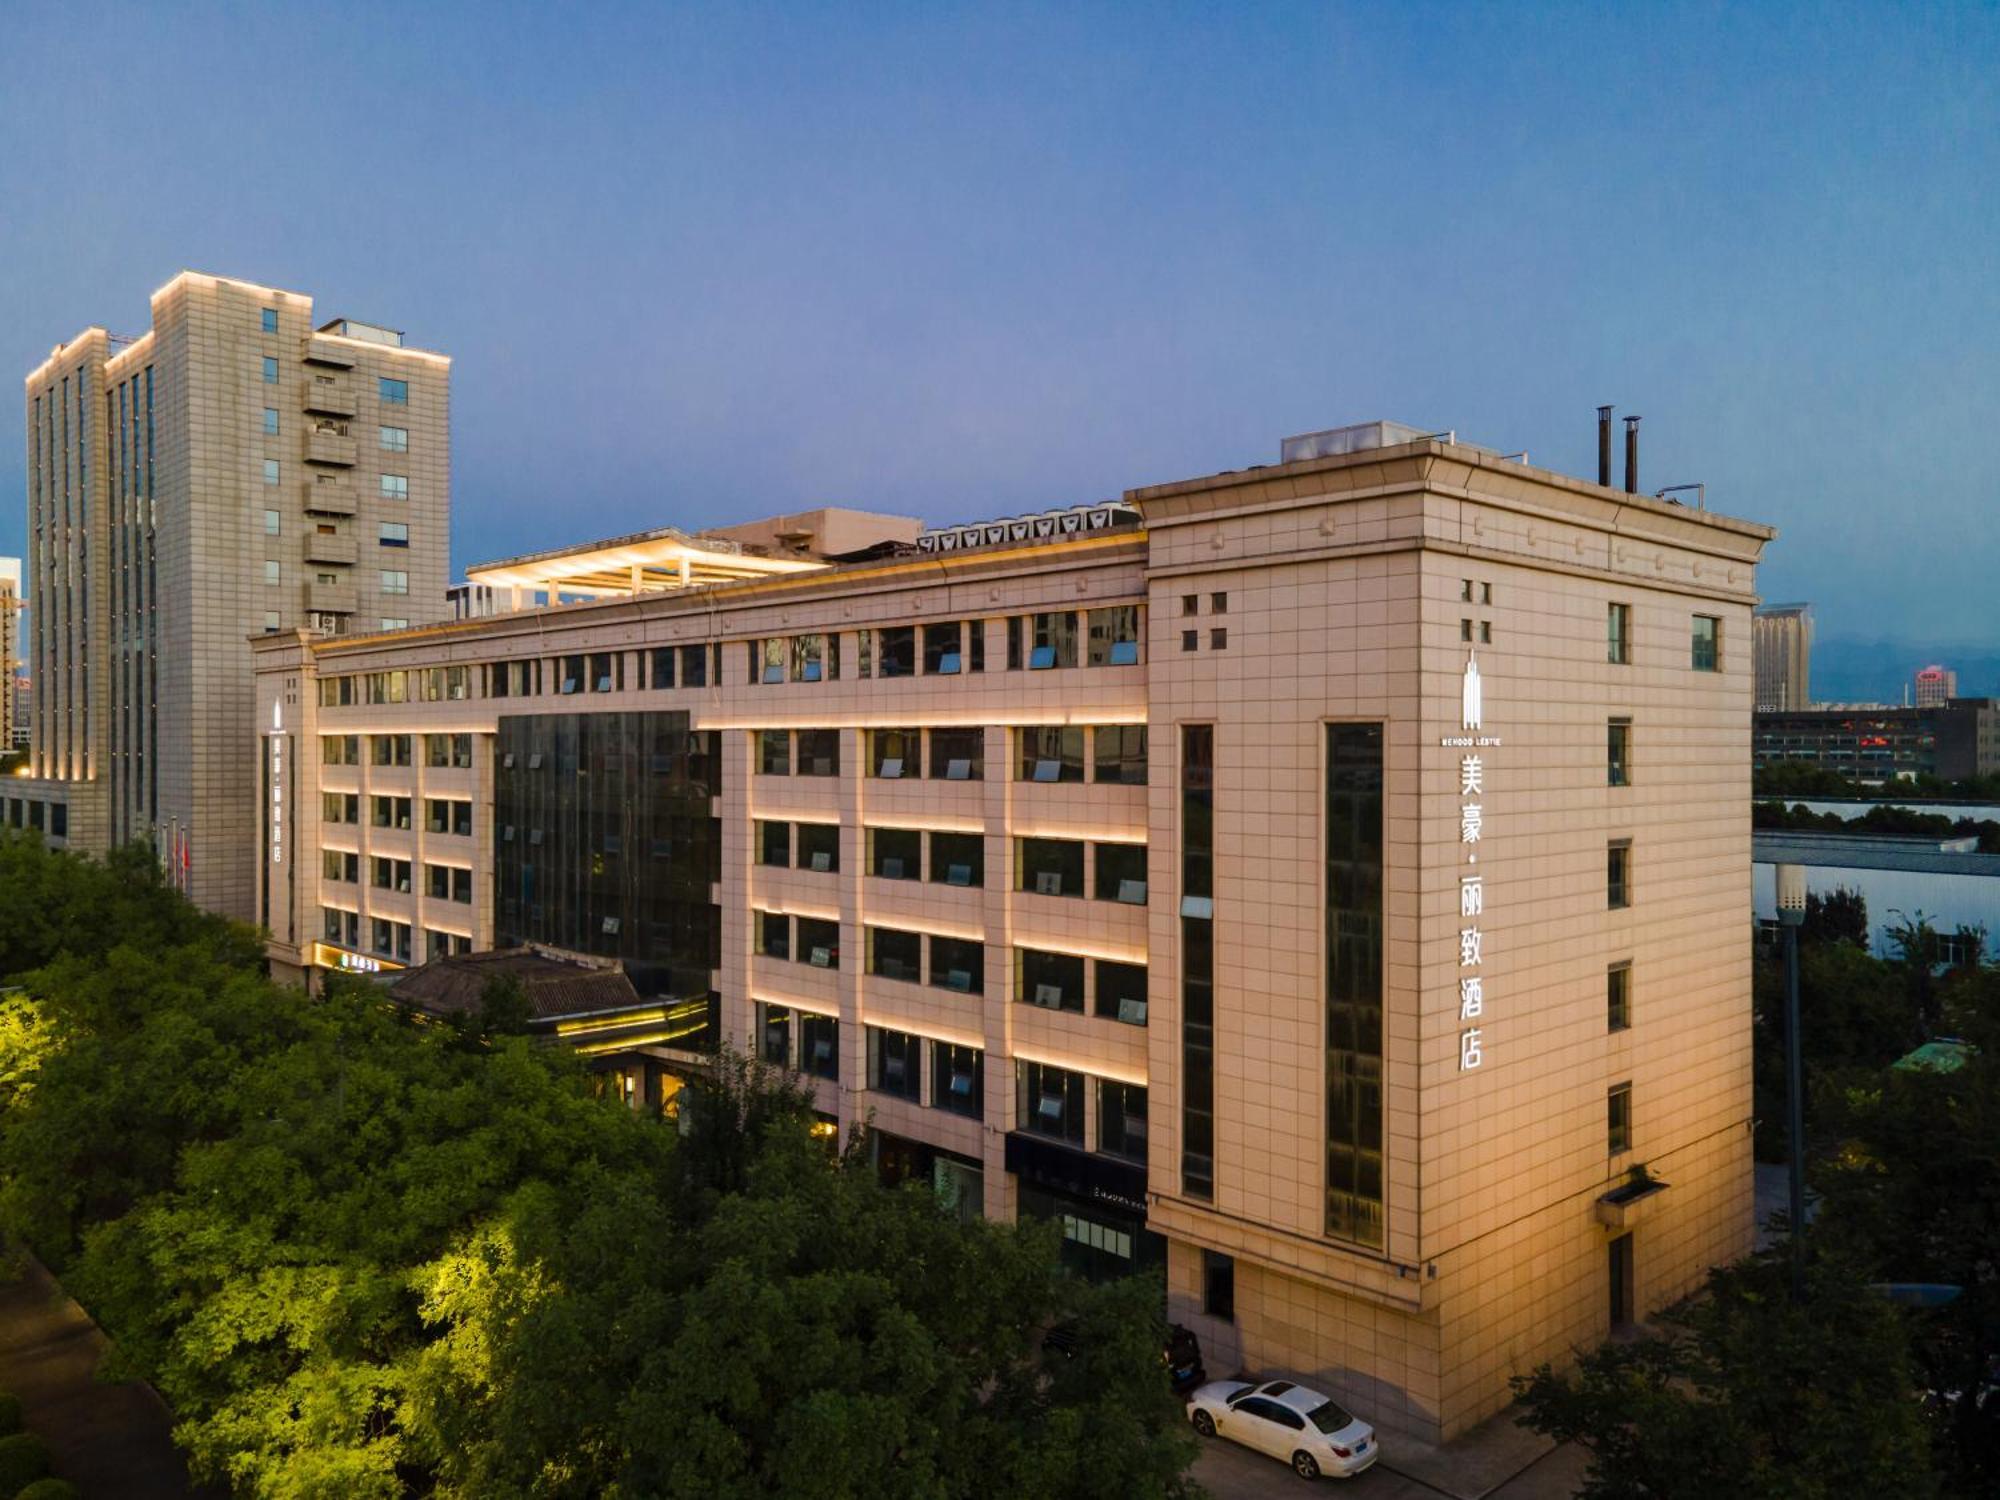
(237, 468)
(1226, 809)
(11, 730)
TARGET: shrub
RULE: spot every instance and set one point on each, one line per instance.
(23, 1460)
(49, 1489)
(10, 1414)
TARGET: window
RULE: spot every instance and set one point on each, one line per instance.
(571, 675)
(819, 847)
(1190, 640)
(270, 471)
(1618, 996)
(270, 370)
(389, 812)
(819, 942)
(1218, 1285)
(1218, 639)
(388, 687)
(895, 753)
(774, 934)
(819, 1046)
(340, 749)
(393, 439)
(819, 752)
(1051, 753)
(1121, 992)
(1051, 1101)
(394, 622)
(1465, 629)
(1119, 754)
(270, 316)
(448, 751)
(390, 874)
(958, 1079)
(444, 816)
(1054, 981)
(1052, 639)
(958, 964)
(774, 1034)
(1707, 643)
(270, 523)
(1618, 1118)
(395, 534)
(976, 630)
(767, 660)
(392, 392)
(1618, 871)
(958, 754)
(1190, 604)
(944, 652)
(774, 844)
(1114, 636)
(340, 807)
(394, 487)
(896, 853)
(1049, 867)
(864, 653)
(448, 883)
(1618, 752)
(896, 955)
(1121, 873)
(603, 671)
(958, 859)
(343, 867)
(1218, 604)
(271, 421)
(694, 665)
(815, 658)
(896, 652)
(1121, 1120)
(662, 667)
(395, 581)
(774, 751)
(1618, 635)
(273, 575)
(1016, 659)
(895, 1063)
(1197, 960)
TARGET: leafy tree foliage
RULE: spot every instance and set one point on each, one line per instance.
(367, 1257)
(1748, 1393)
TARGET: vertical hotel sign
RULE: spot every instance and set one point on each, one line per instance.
(277, 779)
(1472, 744)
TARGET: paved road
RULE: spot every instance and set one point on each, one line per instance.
(1231, 1472)
(107, 1440)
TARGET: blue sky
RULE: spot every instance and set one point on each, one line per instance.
(696, 265)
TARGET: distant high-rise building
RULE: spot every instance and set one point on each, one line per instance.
(240, 468)
(1936, 686)
(10, 650)
(1782, 640)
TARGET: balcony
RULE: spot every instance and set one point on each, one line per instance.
(323, 351)
(329, 495)
(329, 444)
(331, 598)
(330, 549)
(329, 394)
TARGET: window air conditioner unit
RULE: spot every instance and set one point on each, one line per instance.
(1049, 996)
(1048, 883)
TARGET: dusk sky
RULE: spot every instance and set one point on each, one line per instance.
(700, 265)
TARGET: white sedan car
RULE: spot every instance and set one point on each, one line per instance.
(1312, 1433)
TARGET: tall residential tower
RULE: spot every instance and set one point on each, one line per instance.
(239, 468)
(10, 648)
(1782, 641)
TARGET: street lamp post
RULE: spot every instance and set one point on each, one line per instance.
(1791, 915)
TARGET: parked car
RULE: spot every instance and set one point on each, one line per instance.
(1313, 1433)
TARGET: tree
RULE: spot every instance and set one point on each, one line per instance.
(1747, 1393)
(1840, 916)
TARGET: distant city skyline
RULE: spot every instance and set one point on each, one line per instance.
(701, 267)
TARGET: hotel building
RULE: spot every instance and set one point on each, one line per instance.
(1328, 882)
(10, 651)
(238, 468)
(1783, 636)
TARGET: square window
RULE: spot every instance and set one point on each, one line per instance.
(393, 439)
(1190, 604)
(395, 534)
(270, 320)
(1190, 640)
(392, 392)
(271, 420)
(395, 582)
(1218, 640)
(1218, 604)
(270, 620)
(394, 487)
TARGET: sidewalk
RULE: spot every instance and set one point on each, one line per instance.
(107, 1440)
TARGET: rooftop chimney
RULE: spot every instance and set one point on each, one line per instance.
(1604, 446)
(1631, 455)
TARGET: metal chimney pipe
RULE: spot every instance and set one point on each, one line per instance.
(1631, 455)
(1604, 446)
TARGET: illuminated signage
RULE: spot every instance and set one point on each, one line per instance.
(277, 742)
(1472, 951)
(326, 956)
